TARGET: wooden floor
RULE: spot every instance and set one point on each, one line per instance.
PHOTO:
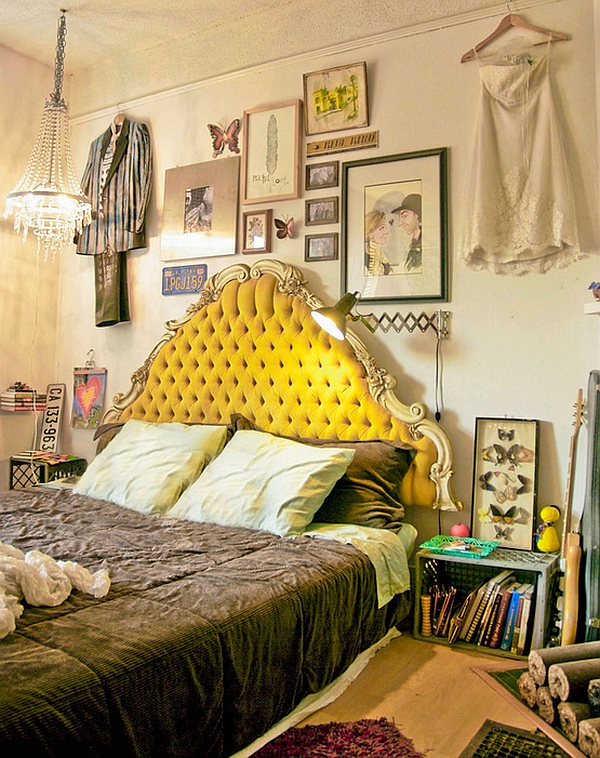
(431, 694)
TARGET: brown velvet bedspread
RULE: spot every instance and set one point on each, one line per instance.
(208, 636)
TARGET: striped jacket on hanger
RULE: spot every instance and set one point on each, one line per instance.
(118, 192)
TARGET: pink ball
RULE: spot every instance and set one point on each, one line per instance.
(460, 530)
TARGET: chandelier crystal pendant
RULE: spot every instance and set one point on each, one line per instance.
(48, 197)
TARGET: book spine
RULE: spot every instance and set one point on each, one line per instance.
(509, 627)
(517, 628)
(489, 606)
(500, 620)
(476, 595)
(476, 621)
(524, 633)
(487, 637)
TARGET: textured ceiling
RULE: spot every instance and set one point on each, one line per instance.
(106, 29)
(136, 47)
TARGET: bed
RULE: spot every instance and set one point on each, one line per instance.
(247, 502)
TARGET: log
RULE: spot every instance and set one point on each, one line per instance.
(594, 697)
(569, 716)
(546, 704)
(589, 737)
(569, 681)
(539, 661)
(527, 689)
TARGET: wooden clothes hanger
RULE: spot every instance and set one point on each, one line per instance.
(508, 22)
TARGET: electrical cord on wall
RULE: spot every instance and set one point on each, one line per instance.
(439, 394)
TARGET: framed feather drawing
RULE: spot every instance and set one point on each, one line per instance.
(271, 153)
(505, 475)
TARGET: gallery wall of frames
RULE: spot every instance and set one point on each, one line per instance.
(353, 165)
(384, 217)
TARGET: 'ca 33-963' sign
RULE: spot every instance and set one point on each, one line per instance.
(182, 280)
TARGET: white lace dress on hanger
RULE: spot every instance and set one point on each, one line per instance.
(520, 206)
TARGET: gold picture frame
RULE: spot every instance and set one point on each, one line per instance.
(271, 153)
(200, 210)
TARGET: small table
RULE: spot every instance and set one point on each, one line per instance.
(31, 468)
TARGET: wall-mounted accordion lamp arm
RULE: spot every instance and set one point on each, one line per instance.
(333, 319)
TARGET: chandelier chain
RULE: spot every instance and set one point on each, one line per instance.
(59, 62)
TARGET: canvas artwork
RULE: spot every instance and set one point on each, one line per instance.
(89, 387)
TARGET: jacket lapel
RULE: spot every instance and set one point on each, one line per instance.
(120, 148)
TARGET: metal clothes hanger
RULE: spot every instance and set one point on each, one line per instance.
(508, 22)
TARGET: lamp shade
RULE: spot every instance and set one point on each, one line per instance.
(333, 318)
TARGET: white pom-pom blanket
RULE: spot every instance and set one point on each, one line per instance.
(38, 579)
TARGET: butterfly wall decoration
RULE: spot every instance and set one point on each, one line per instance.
(225, 136)
(284, 228)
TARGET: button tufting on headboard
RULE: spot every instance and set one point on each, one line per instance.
(250, 347)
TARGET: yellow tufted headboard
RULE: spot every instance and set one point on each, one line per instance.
(250, 346)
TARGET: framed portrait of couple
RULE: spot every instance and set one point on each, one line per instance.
(395, 221)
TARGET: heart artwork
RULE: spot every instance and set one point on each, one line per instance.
(87, 394)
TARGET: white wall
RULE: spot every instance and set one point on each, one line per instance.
(28, 287)
(520, 346)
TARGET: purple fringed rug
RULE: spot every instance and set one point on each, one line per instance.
(356, 739)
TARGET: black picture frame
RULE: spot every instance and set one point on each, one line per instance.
(376, 194)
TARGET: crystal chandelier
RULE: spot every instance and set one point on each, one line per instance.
(48, 198)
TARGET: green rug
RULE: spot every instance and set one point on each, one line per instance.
(508, 679)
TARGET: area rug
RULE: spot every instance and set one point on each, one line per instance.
(367, 738)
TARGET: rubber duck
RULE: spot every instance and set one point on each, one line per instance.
(547, 537)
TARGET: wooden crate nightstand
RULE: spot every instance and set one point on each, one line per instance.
(27, 469)
(465, 574)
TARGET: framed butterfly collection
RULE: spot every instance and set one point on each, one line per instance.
(505, 479)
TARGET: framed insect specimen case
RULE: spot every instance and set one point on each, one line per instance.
(505, 478)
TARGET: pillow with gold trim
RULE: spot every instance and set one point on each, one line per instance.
(369, 492)
(148, 465)
(261, 481)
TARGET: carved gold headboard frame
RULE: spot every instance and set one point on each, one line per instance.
(249, 345)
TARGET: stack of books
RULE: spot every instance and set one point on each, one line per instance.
(497, 614)
(20, 397)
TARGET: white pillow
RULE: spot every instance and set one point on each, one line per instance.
(264, 482)
(148, 465)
